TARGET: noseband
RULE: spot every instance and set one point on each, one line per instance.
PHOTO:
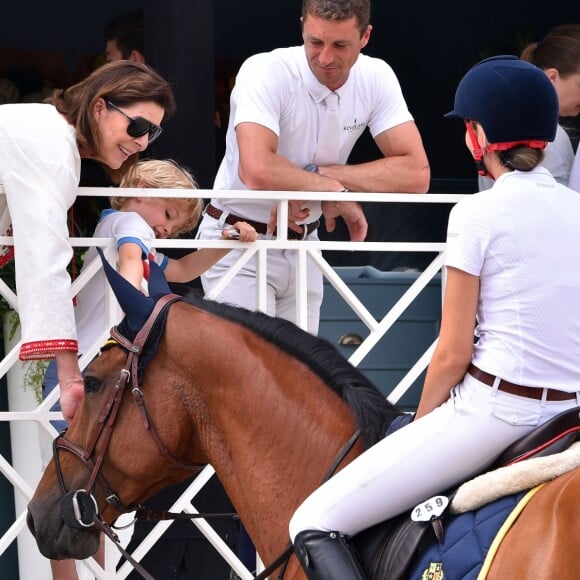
(79, 507)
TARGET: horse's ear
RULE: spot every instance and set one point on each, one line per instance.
(157, 283)
(136, 306)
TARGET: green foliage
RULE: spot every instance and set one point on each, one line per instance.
(13, 322)
(33, 377)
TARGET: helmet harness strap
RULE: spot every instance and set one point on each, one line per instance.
(479, 152)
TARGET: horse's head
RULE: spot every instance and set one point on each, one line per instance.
(100, 469)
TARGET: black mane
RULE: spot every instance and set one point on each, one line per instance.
(372, 411)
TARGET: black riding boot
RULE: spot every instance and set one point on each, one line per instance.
(327, 556)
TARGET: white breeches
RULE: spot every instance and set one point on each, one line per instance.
(447, 446)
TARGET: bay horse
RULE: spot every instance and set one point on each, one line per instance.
(268, 405)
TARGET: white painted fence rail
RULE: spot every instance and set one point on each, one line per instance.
(30, 424)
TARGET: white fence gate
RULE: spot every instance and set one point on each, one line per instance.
(29, 421)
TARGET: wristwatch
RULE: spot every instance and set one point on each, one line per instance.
(313, 168)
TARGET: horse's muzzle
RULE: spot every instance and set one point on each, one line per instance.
(57, 540)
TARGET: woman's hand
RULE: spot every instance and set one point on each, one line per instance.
(71, 383)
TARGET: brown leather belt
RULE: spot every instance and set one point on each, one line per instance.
(261, 228)
(519, 390)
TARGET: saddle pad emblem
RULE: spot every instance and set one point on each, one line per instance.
(434, 572)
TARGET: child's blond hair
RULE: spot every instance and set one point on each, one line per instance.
(166, 174)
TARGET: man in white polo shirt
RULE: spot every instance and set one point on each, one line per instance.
(284, 135)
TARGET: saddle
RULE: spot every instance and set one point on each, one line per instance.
(387, 550)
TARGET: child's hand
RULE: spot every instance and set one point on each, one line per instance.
(247, 232)
(241, 231)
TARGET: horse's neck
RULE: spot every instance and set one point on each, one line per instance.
(268, 425)
(279, 450)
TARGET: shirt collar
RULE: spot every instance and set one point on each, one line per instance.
(539, 172)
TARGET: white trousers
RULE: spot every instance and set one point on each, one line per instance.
(452, 443)
(281, 279)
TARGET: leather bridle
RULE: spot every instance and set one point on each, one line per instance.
(79, 507)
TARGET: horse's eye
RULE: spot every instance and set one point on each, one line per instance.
(92, 384)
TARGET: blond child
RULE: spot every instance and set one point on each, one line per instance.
(135, 223)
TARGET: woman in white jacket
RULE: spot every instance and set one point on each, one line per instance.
(110, 116)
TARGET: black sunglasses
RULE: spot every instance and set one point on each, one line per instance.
(138, 126)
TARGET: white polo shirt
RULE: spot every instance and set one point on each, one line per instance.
(278, 90)
(522, 238)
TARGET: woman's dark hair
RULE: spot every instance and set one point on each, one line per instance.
(122, 82)
(560, 49)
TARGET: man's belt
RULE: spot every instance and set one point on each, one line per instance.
(260, 227)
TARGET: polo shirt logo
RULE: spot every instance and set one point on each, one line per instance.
(354, 127)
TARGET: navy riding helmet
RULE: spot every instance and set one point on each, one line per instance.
(511, 99)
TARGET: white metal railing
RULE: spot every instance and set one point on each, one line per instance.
(40, 414)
